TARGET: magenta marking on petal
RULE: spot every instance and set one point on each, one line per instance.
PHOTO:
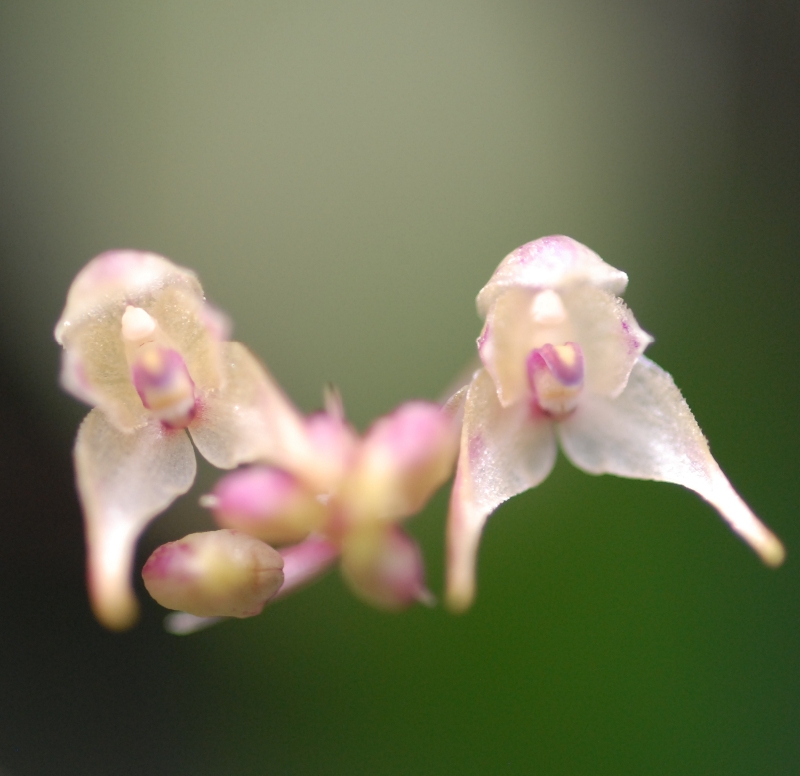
(630, 338)
(484, 336)
(536, 249)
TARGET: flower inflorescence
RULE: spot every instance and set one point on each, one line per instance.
(561, 362)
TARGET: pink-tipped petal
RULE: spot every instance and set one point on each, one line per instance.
(384, 568)
(248, 418)
(304, 562)
(124, 480)
(267, 503)
(550, 263)
(504, 451)
(214, 574)
(404, 458)
(648, 432)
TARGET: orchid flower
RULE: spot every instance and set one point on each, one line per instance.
(346, 499)
(562, 359)
(142, 346)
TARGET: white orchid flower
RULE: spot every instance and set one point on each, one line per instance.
(562, 360)
(142, 346)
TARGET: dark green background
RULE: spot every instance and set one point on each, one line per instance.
(345, 177)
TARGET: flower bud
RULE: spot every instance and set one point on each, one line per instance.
(267, 503)
(383, 566)
(405, 457)
(214, 574)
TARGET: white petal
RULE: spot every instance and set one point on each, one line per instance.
(124, 480)
(609, 336)
(550, 262)
(249, 418)
(504, 451)
(649, 432)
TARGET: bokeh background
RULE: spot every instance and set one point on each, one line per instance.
(344, 176)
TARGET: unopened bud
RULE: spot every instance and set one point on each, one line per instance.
(214, 574)
(384, 567)
(405, 457)
(267, 503)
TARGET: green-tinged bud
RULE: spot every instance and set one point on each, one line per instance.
(214, 574)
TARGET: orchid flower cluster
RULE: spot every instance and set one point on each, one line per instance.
(561, 361)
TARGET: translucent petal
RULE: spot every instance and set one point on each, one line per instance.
(96, 348)
(504, 451)
(609, 336)
(192, 331)
(550, 262)
(305, 561)
(118, 278)
(648, 432)
(404, 458)
(124, 480)
(249, 418)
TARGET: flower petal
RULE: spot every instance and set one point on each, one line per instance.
(124, 480)
(609, 336)
(504, 451)
(550, 262)
(648, 432)
(248, 418)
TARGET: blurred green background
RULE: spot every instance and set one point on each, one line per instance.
(344, 176)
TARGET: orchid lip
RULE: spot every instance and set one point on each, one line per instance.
(555, 375)
(162, 381)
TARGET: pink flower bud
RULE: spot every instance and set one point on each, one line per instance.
(214, 574)
(384, 568)
(405, 457)
(265, 502)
